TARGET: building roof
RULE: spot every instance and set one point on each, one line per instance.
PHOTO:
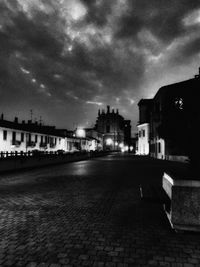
(185, 87)
(145, 101)
(31, 127)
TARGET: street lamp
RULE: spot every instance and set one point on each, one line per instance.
(80, 133)
(109, 141)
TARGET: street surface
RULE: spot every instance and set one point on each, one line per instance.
(90, 213)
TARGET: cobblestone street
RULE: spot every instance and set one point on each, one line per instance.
(90, 213)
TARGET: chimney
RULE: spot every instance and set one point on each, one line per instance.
(16, 120)
(113, 111)
(2, 116)
(108, 109)
(197, 75)
(117, 111)
(23, 122)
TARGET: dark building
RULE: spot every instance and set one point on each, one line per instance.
(145, 106)
(115, 130)
(174, 120)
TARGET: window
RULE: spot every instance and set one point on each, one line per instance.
(5, 135)
(29, 137)
(159, 148)
(143, 132)
(36, 138)
(22, 137)
(179, 103)
(42, 139)
(139, 133)
(13, 136)
(107, 128)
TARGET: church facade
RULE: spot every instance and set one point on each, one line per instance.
(115, 130)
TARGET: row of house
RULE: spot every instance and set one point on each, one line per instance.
(111, 132)
(28, 137)
(168, 123)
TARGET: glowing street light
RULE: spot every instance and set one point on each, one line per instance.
(121, 145)
(80, 133)
(109, 141)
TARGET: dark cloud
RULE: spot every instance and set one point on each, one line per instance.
(98, 11)
(186, 52)
(163, 18)
(75, 55)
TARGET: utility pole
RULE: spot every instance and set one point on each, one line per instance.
(31, 113)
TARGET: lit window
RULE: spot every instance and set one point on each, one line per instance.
(179, 103)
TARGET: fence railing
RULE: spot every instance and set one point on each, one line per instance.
(43, 153)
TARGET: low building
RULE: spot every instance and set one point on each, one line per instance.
(174, 116)
(30, 137)
(24, 137)
(143, 126)
(93, 134)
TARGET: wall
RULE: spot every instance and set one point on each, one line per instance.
(60, 143)
(143, 139)
(177, 158)
(19, 163)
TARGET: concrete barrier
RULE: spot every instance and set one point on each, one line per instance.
(24, 162)
(183, 208)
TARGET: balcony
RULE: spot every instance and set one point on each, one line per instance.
(30, 144)
(43, 145)
(16, 143)
(52, 145)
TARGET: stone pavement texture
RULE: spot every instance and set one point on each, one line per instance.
(90, 213)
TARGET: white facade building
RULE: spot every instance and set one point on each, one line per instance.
(143, 139)
(24, 138)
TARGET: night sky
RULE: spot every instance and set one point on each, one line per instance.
(65, 59)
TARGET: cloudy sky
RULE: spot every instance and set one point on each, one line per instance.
(65, 59)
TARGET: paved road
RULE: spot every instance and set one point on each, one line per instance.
(89, 213)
